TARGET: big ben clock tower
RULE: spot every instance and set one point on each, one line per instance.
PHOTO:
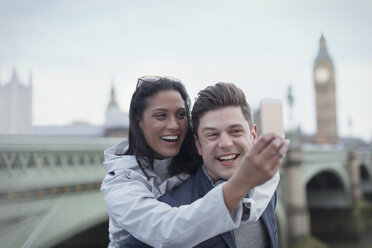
(325, 93)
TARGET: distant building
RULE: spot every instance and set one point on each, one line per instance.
(16, 106)
(117, 122)
(257, 120)
(76, 128)
(325, 94)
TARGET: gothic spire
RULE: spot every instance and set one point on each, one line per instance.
(112, 102)
(323, 52)
(14, 78)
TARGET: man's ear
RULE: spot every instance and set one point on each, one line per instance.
(254, 133)
(197, 144)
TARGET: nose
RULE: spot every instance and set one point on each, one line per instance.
(224, 141)
(172, 123)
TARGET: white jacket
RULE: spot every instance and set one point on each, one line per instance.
(133, 207)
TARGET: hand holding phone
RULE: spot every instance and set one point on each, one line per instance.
(272, 117)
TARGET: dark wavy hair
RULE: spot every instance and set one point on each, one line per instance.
(188, 159)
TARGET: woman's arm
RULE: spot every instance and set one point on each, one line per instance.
(133, 207)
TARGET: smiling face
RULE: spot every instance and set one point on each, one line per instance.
(164, 123)
(224, 138)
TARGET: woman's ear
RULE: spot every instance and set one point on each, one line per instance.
(138, 120)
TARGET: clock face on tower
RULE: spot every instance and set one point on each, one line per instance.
(322, 75)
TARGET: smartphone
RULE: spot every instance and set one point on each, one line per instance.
(272, 116)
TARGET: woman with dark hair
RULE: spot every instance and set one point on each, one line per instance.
(158, 156)
(185, 159)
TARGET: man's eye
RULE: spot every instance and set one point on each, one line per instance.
(181, 115)
(211, 134)
(237, 131)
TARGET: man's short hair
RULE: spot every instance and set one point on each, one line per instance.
(218, 96)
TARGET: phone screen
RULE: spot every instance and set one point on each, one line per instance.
(272, 116)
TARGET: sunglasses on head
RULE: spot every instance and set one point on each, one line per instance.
(153, 79)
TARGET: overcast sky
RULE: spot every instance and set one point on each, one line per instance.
(76, 49)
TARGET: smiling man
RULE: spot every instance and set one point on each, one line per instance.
(226, 138)
(224, 133)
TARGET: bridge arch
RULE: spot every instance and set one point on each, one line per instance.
(366, 181)
(328, 196)
(364, 173)
(335, 172)
(326, 189)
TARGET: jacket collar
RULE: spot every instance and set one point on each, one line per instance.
(205, 181)
(202, 181)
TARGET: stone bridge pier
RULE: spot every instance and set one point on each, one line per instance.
(297, 213)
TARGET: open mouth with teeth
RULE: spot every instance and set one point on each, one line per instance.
(228, 157)
(170, 138)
